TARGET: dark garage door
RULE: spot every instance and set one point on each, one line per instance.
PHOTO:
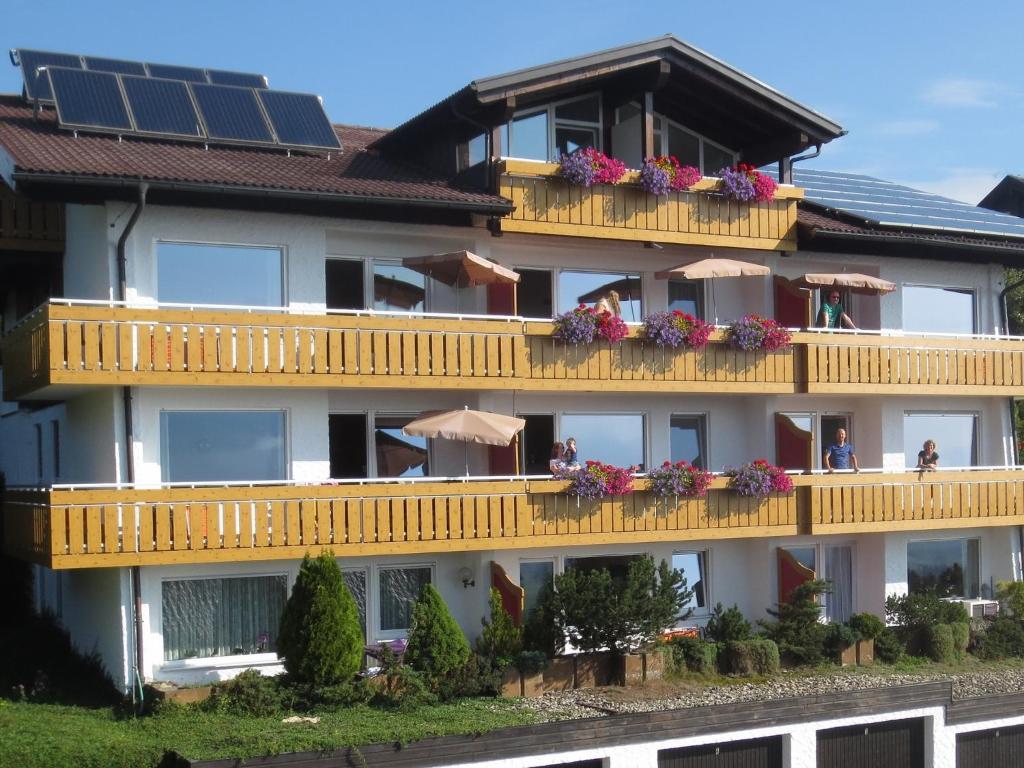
(898, 744)
(599, 763)
(753, 753)
(996, 748)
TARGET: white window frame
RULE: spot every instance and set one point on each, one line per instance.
(379, 635)
(365, 570)
(562, 435)
(978, 436)
(975, 301)
(288, 469)
(981, 558)
(281, 248)
(819, 568)
(662, 134)
(818, 451)
(556, 284)
(705, 417)
(369, 263)
(698, 612)
(371, 448)
(549, 109)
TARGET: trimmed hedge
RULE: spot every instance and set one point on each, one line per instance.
(939, 643)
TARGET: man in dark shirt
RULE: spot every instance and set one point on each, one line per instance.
(840, 454)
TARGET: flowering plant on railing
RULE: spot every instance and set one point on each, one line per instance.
(744, 182)
(758, 479)
(659, 175)
(679, 479)
(675, 328)
(753, 333)
(596, 480)
(582, 324)
(586, 167)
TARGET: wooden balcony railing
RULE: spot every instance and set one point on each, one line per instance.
(98, 528)
(84, 528)
(61, 347)
(547, 205)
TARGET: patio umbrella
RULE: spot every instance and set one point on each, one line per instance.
(461, 269)
(466, 425)
(850, 281)
(710, 268)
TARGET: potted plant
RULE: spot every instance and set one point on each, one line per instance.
(753, 333)
(597, 480)
(758, 479)
(841, 642)
(868, 627)
(679, 479)
(676, 329)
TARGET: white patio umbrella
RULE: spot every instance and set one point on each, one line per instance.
(466, 425)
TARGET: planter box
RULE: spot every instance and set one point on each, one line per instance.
(593, 670)
(559, 675)
(511, 682)
(654, 665)
(533, 684)
(848, 656)
(865, 653)
(171, 692)
(629, 670)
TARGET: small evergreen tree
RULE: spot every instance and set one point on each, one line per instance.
(321, 638)
(501, 640)
(797, 629)
(437, 647)
(728, 624)
(540, 632)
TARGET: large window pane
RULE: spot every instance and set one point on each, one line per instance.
(686, 296)
(201, 446)
(570, 138)
(955, 436)
(398, 288)
(194, 273)
(948, 568)
(716, 159)
(399, 455)
(575, 288)
(534, 578)
(528, 137)
(938, 310)
(586, 110)
(355, 581)
(222, 617)
(616, 565)
(684, 146)
(614, 438)
(694, 568)
(400, 588)
(687, 438)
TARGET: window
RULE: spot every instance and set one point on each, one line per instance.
(955, 436)
(399, 455)
(536, 440)
(346, 434)
(575, 288)
(694, 568)
(616, 565)
(222, 445)
(55, 435)
(687, 437)
(470, 153)
(344, 284)
(398, 288)
(527, 136)
(614, 438)
(534, 293)
(355, 582)
(949, 568)
(552, 131)
(929, 309)
(399, 589)
(684, 145)
(839, 572)
(535, 577)
(716, 158)
(686, 296)
(222, 617)
(198, 273)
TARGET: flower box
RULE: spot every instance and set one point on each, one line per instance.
(560, 674)
(865, 652)
(593, 670)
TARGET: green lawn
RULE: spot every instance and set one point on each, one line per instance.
(52, 736)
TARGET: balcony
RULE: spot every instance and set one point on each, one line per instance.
(63, 348)
(546, 205)
(107, 527)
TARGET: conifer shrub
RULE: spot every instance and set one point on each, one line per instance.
(321, 639)
(437, 647)
(736, 658)
(888, 646)
(939, 643)
(1011, 596)
(540, 631)
(797, 629)
(764, 654)
(961, 637)
(867, 625)
(249, 694)
(839, 637)
(501, 640)
(1003, 639)
(728, 624)
(691, 654)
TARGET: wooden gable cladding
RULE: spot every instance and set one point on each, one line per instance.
(546, 205)
(26, 225)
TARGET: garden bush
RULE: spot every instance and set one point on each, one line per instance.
(915, 614)
(939, 643)
(1011, 597)
(249, 694)
(797, 629)
(321, 638)
(1003, 639)
(888, 646)
(757, 655)
(437, 647)
(765, 655)
(728, 624)
(501, 640)
(839, 637)
(961, 637)
(867, 625)
(398, 686)
(691, 654)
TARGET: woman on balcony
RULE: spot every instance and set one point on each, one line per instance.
(928, 459)
(832, 314)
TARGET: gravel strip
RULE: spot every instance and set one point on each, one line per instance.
(598, 702)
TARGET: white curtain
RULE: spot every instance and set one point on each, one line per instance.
(839, 571)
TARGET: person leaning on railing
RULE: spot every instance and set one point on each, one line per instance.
(832, 314)
(840, 454)
(928, 459)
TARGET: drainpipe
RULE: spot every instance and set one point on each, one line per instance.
(129, 438)
(786, 164)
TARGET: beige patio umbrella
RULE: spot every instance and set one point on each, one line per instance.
(710, 268)
(849, 281)
(461, 269)
(466, 425)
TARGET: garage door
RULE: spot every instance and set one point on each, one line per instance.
(897, 744)
(599, 763)
(752, 753)
(990, 749)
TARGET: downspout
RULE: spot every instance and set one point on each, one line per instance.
(129, 439)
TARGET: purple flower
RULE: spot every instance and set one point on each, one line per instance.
(661, 328)
(577, 168)
(577, 326)
(737, 184)
(654, 179)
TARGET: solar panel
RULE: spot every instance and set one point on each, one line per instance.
(299, 119)
(242, 79)
(115, 65)
(88, 99)
(885, 203)
(39, 87)
(231, 113)
(161, 106)
(171, 72)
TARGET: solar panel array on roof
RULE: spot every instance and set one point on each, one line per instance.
(888, 204)
(39, 88)
(117, 103)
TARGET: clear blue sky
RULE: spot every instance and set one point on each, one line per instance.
(932, 93)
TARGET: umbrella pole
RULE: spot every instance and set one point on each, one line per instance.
(467, 458)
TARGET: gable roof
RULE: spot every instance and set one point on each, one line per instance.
(38, 152)
(1006, 196)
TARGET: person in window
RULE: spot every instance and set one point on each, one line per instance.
(557, 462)
(832, 314)
(571, 457)
(928, 459)
(609, 303)
(840, 454)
